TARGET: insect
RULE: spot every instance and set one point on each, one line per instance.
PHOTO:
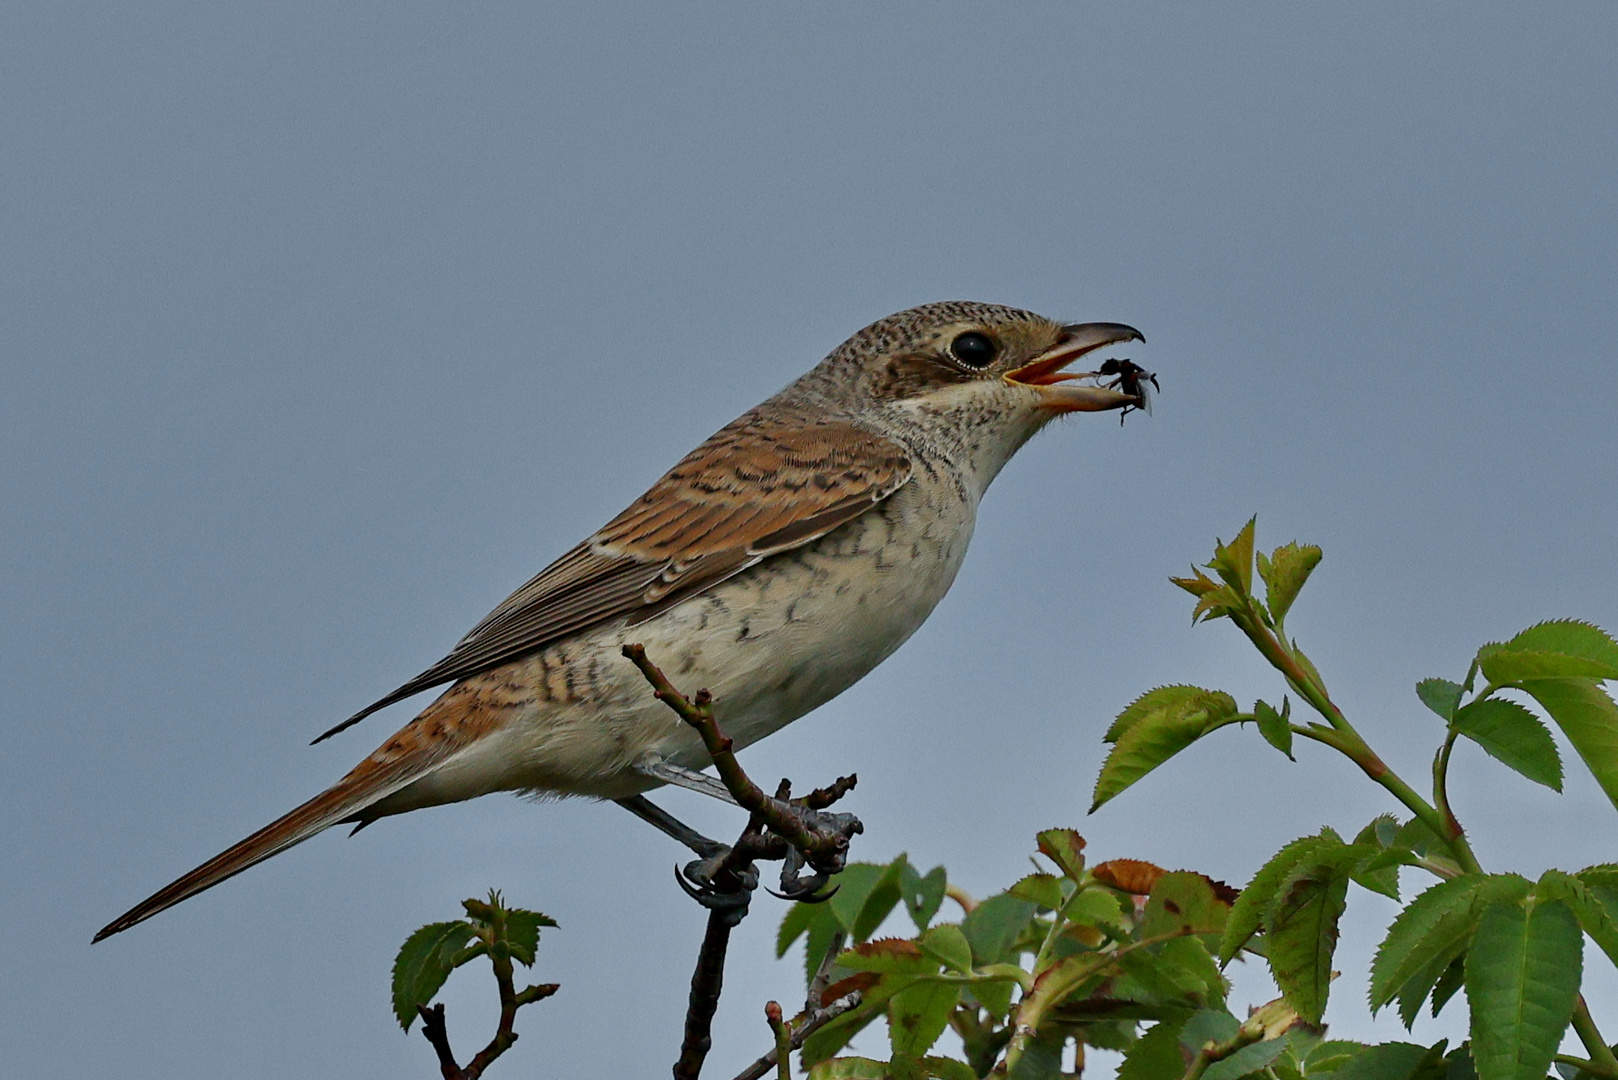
(1130, 378)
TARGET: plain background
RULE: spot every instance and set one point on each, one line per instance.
(326, 326)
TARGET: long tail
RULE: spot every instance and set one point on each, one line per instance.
(372, 781)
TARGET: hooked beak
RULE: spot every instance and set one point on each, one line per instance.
(1044, 373)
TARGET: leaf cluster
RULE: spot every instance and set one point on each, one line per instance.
(1069, 955)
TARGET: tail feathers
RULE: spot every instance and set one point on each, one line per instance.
(352, 794)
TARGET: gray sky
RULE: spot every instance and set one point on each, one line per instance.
(326, 325)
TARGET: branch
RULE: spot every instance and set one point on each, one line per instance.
(802, 1026)
(437, 1033)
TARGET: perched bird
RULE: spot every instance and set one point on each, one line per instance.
(776, 565)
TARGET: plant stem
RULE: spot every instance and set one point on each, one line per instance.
(1601, 1055)
(1344, 738)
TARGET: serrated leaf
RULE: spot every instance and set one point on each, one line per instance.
(1514, 737)
(522, 933)
(1448, 983)
(994, 926)
(1440, 695)
(828, 1040)
(423, 964)
(1331, 1055)
(1589, 719)
(1247, 914)
(866, 894)
(1248, 1059)
(1065, 848)
(1094, 907)
(1042, 889)
(1522, 976)
(1303, 935)
(1154, 737)
(946, 944)
(1414, 992)
(1385, 1061)
(944, 1068)
(1206, 1026)
(1562, 648)
(1155, 1055)
(1379, 872)
(1595, 907)
(1428, 927)
(849, 1068)
(918, 1015)
(1274, 726)
(1134, 876)
(1233, 562)
(1162, 699)
(1284, 573)
(887, 956)
(923, 894)
(1183, 901)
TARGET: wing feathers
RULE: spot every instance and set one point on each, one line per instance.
(768, 482)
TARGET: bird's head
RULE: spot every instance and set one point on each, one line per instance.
(959, 354)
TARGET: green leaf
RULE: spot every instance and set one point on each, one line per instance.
(1448, 983)
(1183, 901)
(1522, 975)
(1589, 719)
(1065, 848)
(1441, 696)
(1561, 649)
(946, 944)
(948, 1069)
(1163, 699)
(1233, 562)
(1094, 907)
(423, 964)
(831, 1038)
(1249, 1059)
(1042, 889)
(522, 933)
(866, 894)
(850, 1068)
(1284, 573)
(1416, 988)
(1247, 914)
(889, 956)
(1155, 1055)
(1595, 907)
(1206, 1026)
(923, 895)
(994, 926)
(918, 1015)
(1385, 1061)
(1190, 965)
(1514, 737)
(1427, 927)
(1154, 735)
(1303, 935)
(1276, 727)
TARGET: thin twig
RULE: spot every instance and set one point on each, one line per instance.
(803, 1026)
(437, 1033)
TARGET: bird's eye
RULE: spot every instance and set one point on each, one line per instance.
(973, 350)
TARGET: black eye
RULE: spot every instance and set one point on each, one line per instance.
(974, 350)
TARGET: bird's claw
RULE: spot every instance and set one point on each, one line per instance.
(700, 881)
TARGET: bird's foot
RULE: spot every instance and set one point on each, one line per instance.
(718, 885)
(825, 853)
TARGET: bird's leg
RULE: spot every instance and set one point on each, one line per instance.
(796, 831)
(665, 771)
(699, 875)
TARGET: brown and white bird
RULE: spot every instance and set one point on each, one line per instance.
(775, 565)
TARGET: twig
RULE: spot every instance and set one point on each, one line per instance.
(817, 846)
(437, 1033)
(777, 828)
(801, 1028)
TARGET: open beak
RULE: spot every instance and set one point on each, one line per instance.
(1044, 373)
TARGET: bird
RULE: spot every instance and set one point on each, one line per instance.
(775, 565)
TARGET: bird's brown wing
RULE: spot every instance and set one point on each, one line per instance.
(761, 485)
